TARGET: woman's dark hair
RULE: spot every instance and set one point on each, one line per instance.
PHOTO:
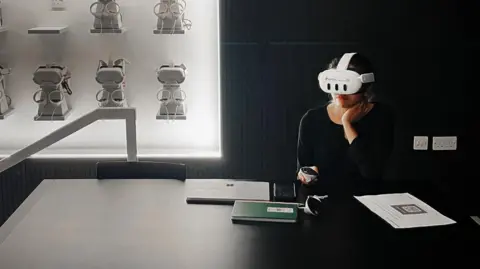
(361, 65)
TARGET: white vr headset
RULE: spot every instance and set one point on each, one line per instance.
(172, 74)
(341, 80)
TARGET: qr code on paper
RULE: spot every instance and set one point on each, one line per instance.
(409, 209)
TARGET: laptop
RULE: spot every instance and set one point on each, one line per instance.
(225, 191)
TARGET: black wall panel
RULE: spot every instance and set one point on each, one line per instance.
(425, 54)
(14, 188)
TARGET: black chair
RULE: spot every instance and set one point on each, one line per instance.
(141, 170)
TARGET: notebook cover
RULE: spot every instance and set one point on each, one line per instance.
(264, 211)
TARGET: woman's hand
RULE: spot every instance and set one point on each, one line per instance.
(302, 178)
(355, 113)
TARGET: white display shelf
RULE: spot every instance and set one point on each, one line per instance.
(50, 30)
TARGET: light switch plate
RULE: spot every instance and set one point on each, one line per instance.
(420, 142)
(444, 143)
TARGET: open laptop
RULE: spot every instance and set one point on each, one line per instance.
(225, 191)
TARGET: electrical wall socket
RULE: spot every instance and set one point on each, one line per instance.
(420, 142)
(445, 143)
(59, 5)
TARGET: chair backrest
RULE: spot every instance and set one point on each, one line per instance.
(141, 170)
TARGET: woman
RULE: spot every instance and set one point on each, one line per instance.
(349, 140)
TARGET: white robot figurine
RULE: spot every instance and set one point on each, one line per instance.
(5, 100)
(111, 76)
(171, 17)
(171, 96)
(108, 18)
(52, 99)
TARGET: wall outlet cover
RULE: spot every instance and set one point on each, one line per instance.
(420, 142)
(444, 143)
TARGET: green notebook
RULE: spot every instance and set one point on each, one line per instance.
(264, 211)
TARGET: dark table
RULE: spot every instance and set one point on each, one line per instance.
(120, 224)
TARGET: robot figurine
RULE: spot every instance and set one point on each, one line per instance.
(171, 17)
(108, 18)
(5, 100)
(52, 99)
(111, 76)
(171, 96)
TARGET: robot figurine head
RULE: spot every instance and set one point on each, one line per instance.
(172, 74)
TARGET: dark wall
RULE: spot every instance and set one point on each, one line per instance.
(272, 51)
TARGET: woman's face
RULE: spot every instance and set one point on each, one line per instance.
(348, 100)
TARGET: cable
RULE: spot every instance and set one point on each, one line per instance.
(173, 27)
(105, 10)
(186, 22)
(103, 96)
(3, 95)
(177, 13)
(177, 10)
(307, 209)
(6, 97)
(66, 87)
(113, 14)
(109, 10)
(179, 101)
(40, 101)
(161, 13)
(164, 101)
(53, 113)
(56, 103)
(95, 13)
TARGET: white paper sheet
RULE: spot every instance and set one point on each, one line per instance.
(403, 210)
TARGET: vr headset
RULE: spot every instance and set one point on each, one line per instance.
(51, 74)
(112, 72)
(341, 80)
(172, 74)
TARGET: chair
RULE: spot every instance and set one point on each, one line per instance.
(140, 170)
